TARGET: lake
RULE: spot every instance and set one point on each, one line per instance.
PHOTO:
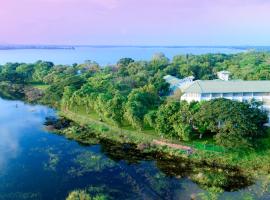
(36, 164)
(102, 54)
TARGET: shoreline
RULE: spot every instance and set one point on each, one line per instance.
(144, 142)
(228, 159)
(122, 135)
(151, 142)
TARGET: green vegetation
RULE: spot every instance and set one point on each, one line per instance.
(82, 195)
(78, 195)
(40, 86)
(224, 119)
(90, 162)
(53, 161)
(128, 102)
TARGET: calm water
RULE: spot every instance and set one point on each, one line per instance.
(102, 55)
(35, 164)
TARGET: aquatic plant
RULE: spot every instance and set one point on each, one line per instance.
(212, 193)
(90, 162)
(83, 195)
(53, 161)
(78, 195)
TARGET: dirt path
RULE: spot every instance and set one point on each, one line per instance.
(174, 146)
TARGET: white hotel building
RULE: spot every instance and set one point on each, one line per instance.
(204, 90)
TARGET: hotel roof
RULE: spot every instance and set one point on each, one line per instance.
(171, 80)
(234, 86)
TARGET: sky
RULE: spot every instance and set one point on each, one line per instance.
(135, 22)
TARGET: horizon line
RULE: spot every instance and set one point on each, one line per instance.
(131, 45)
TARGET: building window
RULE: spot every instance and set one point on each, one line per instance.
(237, 94)
(258, 94)
(227, 95)
(206, 95)
(247, 94)
(216, 95)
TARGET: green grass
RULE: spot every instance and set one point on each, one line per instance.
(39, 86)
(93, 117)
(128, 134)
(147, 135)
(252, 161)
(113, 133)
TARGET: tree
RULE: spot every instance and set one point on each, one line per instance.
(164, 122)
(183, 120)
(124, 62)
(150, 118)
(235, 124)
(116, 109)
(175, 119)
(101, 104)
(159, 61)
(26, 71)
(140, 101)
(160, 84)
(41, 70)
(68, 92)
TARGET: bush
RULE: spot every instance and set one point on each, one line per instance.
(235, 124)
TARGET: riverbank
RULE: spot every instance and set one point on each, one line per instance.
(216, 177)
(251, 162)
(252, 166)
(147, 138)
(29, 93)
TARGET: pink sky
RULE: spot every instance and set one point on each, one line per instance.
(135, 22)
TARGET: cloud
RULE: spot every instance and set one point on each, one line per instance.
(15, 122)
(9, 146)
(106, 21)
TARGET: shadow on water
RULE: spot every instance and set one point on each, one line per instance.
(120, 170)
(227, 178)
(11, 92)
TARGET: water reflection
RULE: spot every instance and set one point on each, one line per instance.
(9, 147)
(228, 179)
(15, 118)
(35, 164)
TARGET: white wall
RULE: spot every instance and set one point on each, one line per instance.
(263, 97)
(189, 97)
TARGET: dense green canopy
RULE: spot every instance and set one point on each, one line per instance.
(134, 93)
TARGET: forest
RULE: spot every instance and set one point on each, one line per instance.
(133, 95)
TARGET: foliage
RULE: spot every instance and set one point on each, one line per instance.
(228, 119)
(82, 195)
(78, 195)
(139, 102)
(175, 119)
(133, 93)
(164, 124)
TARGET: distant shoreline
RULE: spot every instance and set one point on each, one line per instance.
(25, 47)
(73, 47)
